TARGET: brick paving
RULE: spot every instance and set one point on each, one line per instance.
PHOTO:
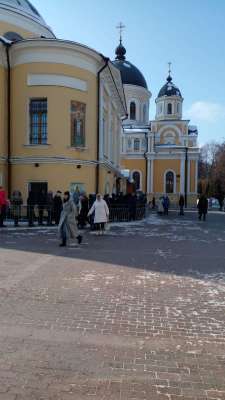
(136, 315)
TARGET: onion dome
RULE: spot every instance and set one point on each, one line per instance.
(169, 89)
(129, 73)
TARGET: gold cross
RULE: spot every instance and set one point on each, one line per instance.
(121, 28)
(169, 64)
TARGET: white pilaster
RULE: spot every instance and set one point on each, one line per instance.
(196, 176)
(182, 175)
(152, 176)
(189, 175)
(149, 177)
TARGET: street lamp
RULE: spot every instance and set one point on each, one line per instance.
(186, 177)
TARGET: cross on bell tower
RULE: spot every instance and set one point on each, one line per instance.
(121, 28)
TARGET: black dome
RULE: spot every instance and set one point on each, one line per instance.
(129, 73)
(169, 89)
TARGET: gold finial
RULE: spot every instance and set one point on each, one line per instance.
(121, 28)
(169, 64)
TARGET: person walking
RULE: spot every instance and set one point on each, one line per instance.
(41, 202)
(16, 202)
(3, 206)
(101, 211)
(83, 211)
(67, 224)
(30, 208)
(181, 204)
(166, 204)
(57, 206)
(50, 207)
(202, 207)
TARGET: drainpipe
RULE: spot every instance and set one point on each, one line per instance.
(186, 177)
(7, 44)
(106, 60)
(146, 163)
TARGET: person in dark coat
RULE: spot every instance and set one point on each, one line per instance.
(181, 204)
(16, 202)
(50, 207)
(30, 208)
(41, 202)
(83, 213)
(202, 207)
(132, 206)
(166, 204)
(57, 206)
(3, 206)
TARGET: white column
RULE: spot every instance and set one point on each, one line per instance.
(196, 176)
(152, 176)
(149, 177)
(182, 175)
(188, 174)
(101, 150)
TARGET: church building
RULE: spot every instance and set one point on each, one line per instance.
(61, 109)
(160, 156)
(70, 118)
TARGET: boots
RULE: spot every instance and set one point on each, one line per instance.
(79, 239)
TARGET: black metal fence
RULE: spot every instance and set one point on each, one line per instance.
(45, 215)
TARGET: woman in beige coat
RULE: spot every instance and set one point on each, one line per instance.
(68, 224)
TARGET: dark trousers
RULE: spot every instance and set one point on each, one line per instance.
(40, 214)
(2, 215)
(181, 210)
(30, 215)
(202, 213)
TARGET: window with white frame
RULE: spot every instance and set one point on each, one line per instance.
(169, 182)
(136, 144)
(169, 108)
(132, 110)
(136, 176)
(129, 144)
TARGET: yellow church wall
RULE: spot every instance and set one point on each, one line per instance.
(192, 175)
(160, 166)
(136, 165)
(59, 117)
(3, 112)
(59, 177)
(5, 27)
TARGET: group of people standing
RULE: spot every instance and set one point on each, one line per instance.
(71, 216)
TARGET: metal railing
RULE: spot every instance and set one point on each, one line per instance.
(46, 215)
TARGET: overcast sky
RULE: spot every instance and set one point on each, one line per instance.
(190, 34)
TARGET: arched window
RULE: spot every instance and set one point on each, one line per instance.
(169, 108)
(137, 180)
(144, 113)
(169, 182)
(13, 36)
(132, 110)
(129, 144)
(136, 144)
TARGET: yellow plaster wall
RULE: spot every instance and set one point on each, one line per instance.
(59, 99)
(160, 166)
(3, 111)
(59, 177)
(136, 165)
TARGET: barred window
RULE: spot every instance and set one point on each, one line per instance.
(136, 145)
(169, 182)
(38, 121)
(78, 115)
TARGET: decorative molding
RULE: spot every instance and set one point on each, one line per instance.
(56, 80)
(25, 21)
(55, 51)
(50, 160)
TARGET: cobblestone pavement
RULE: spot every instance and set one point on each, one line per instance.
(136, 315)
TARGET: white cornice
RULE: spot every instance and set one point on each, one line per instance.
(55, 51)
(25, 21)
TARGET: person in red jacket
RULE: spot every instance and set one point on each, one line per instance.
(3, 206)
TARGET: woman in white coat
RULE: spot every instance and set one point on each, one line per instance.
(101, 212)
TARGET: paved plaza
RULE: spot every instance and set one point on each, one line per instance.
(138, 314)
